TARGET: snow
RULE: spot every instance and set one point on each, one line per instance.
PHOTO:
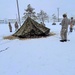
(42, 56)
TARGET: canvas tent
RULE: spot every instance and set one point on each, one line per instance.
(31, 28)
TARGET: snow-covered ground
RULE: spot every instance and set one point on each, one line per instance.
(43, 56)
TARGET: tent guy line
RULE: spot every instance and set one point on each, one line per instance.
(4, 49)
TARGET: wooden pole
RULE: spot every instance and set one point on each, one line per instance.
(58, 14)
(18, 12)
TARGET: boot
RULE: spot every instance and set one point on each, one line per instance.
(61, 40)
(71, 29)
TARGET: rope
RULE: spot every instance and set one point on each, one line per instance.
(4, 49)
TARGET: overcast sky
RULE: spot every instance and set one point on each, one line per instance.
(8, 8)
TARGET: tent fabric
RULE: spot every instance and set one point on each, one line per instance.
(31, 28)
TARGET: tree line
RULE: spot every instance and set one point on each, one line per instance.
(41, 16)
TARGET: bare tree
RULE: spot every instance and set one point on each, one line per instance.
(29, 12)
(42, 16)
(54, 18)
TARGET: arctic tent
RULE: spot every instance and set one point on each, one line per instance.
(31, 28)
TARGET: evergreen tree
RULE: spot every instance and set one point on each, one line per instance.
(29, 12)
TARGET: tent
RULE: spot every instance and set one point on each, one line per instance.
(31, 28)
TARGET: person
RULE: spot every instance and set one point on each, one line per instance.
(71, 24)
(10, 27)
(64, 28)
(16, 26)
(42, 23)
